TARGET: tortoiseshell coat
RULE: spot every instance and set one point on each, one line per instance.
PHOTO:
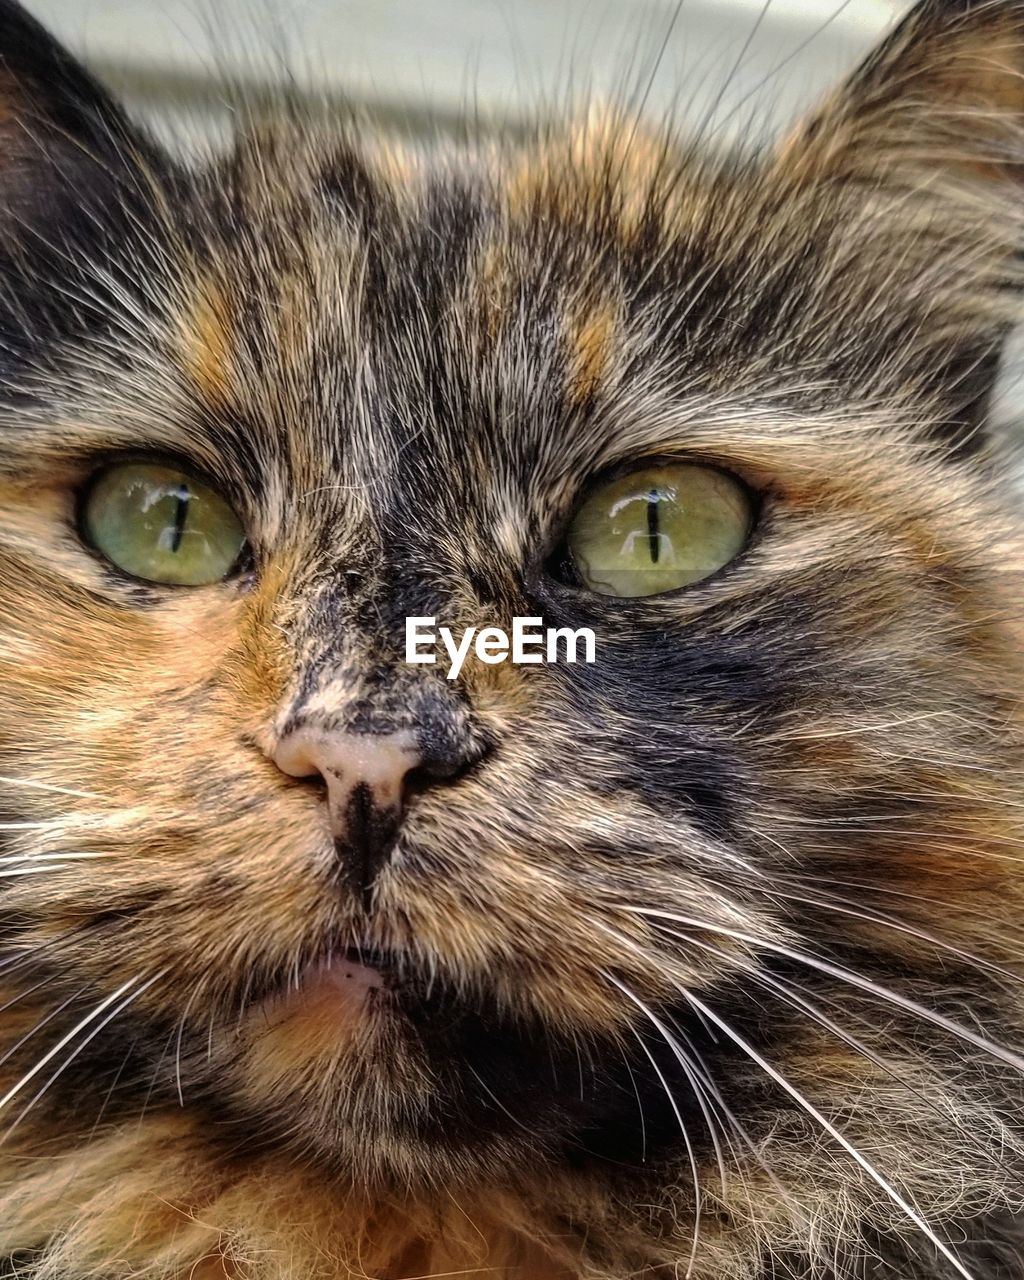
(793, 791)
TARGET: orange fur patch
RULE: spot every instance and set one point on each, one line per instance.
(207, 343)
(592, 346)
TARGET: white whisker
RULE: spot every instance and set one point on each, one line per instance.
(115, 1012)
(48, 786)
(12, 873)
(714, 1096)
(886, 994)
(705, 1089)
(796, 997)
(698, 1195)
(44, 1021)
(68, 1038)
(806, 1105)
(844, 907)
(20, 859)
(197, 990)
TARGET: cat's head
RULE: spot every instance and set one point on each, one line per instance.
(681, 908)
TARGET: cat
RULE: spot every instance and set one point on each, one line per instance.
(701, 959)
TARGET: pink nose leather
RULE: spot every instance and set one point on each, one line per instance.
(366, 777)
(347, 761)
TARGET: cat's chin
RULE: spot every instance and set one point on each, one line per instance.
(385, 1074)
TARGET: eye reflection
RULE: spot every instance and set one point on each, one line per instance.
(658, 529)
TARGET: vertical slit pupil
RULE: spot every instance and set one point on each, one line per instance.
(180, 516)
(653, 540)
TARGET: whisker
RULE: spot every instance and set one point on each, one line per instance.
(886, 994)
(48, 786)
(110, 1091)
(43, 1022)
(29, 991)
(844, 907)
(714, 1097)
(639, 1105)
(967, 913)
(698, 1194)
(836, 1134)
(14, 872)
(154, 1080)
(498, 1102)
(20, 858)
(795, 995)
(104, 1022)
(706, 1082)
(20, 959)
(69, 1037)
(196, 991)
(951, 842)
(680, 1057)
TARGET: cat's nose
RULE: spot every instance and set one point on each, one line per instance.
(368, 777)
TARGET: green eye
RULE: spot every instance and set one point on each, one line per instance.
(161, 524)
(658, 529)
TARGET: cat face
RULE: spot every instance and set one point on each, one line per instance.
(663, 925)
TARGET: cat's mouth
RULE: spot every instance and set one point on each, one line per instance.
(339, 988)
(357, 957)
(355, 992)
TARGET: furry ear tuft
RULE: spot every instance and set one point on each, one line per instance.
(39, 79)
(59, 128)
(929, 131)
(80, 189)
(945, 92)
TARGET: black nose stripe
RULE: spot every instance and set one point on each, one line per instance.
(366, 837)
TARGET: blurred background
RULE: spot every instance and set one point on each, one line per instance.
(425, 61)
(736, 69)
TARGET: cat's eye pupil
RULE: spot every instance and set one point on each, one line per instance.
(157, 523)
(180, 515)
(653, 498)
(658, 528)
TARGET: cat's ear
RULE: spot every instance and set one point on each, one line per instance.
(945, 91)
(61, 133)
(930, 131)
